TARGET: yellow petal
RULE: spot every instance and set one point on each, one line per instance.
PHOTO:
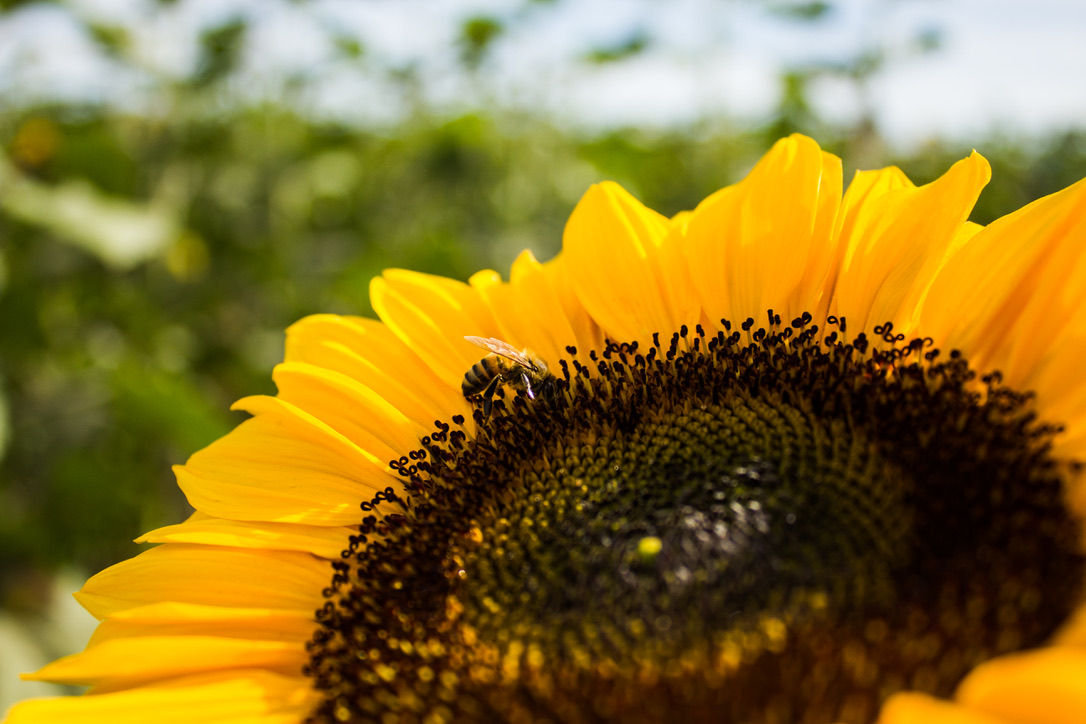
(1047, 686)
(527, 309)
(284, 466)
(432, 315)
(209, 575)
(324, 541)
(766, 242)
(348, 407)
(1012, 298)
(236, 697)
(913, 708)
(302, 425)
(672, 269)
(190, 619)
(367, 351)
(896, 237)
(124, 662)
(585, 328)
(611, 244)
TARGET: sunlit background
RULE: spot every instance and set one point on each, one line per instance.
(180, 180)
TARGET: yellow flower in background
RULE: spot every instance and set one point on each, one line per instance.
(763, 490)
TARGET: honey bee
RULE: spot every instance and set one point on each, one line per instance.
(520, 369)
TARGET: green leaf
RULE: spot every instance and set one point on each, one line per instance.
(477, 35)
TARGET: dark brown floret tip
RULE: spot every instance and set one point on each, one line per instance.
(770, 524)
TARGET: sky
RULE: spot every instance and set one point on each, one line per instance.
(1002, 65)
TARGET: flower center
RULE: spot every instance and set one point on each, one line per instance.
(750, 526)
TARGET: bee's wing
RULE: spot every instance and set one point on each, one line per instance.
(502, 349)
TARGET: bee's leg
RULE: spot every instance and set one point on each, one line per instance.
(528, 385)
(488, 395)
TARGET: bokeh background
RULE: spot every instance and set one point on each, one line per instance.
(182, 179)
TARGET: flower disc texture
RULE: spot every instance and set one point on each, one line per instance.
(237, 615)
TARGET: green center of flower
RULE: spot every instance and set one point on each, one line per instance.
(692, 524)
(752, 526)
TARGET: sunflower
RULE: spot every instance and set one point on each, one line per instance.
(791, 456)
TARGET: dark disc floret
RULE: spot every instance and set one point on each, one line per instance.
(761, 525)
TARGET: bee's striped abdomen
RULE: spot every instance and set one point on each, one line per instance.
(481, 375)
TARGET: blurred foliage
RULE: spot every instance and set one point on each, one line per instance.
(149, 263)
(805, 11)
(637, 43)
(220, 48)
(477, 34)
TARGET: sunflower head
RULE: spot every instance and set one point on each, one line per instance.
(764, 526)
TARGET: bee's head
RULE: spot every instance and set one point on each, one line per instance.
(546, 387)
